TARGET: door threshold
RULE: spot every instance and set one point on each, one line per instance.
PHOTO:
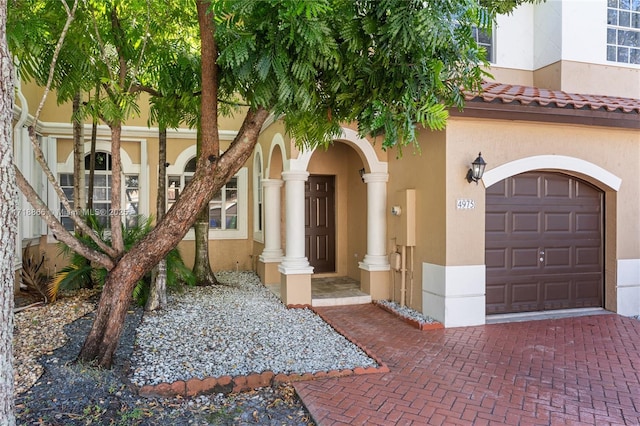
(542, 315)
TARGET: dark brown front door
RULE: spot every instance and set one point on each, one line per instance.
(320, 229)
(543, 246)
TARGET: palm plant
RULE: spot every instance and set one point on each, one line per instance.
(80, 273)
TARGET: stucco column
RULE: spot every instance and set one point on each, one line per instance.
(376, 257)
(295, 271)
(272, 248)
(272, 253)
(374, 269)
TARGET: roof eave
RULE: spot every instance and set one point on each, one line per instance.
(513, 111)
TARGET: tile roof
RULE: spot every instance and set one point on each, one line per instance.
(527, 95)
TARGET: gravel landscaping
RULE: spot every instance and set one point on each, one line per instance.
(236, 328)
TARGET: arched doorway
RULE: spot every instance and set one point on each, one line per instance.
(544, 240)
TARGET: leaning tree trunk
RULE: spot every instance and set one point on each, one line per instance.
(102, 341)
(8, 225)
(202, 265)
(158, 291)
(212, 172)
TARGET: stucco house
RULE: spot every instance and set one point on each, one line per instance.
(554, 222)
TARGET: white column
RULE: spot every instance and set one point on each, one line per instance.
(376, 257)
(272, 251)
(295, 261)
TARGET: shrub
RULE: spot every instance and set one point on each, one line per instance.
(80, 273)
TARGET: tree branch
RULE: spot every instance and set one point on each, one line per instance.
(77, 220)
(60, 233)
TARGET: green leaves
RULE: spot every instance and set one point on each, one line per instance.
(390, 65)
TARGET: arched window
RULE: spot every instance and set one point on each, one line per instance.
(102, 188)
(223, 207)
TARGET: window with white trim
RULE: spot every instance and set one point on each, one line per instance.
(227, 208)
(258, 204)
(484, 40)
(102, 187)
(623, 31)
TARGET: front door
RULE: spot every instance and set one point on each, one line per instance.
(320, 229)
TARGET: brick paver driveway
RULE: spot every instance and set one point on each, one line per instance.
(582, 370)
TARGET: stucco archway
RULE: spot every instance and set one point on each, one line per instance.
(374, 267)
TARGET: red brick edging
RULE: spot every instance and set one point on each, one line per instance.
(228, 384)
(414, 323)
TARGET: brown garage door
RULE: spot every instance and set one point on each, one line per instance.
(543, 244)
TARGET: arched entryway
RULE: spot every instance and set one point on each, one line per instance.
(358, 171)
(544, 243)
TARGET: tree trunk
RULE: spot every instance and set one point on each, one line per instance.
(158, 291)
(202, 265)
(208, 141)
(103, 338)
(212, 173)
(8, 226)
(78, 156)
(117, 240)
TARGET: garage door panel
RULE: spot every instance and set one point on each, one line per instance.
(588, 222)
(525, 186)
(496, 222)
(496, 258)
(524, 258)
(525, 222)
(558, 257)
(543, 244)
(526, 292)
(557, 187)
(587, 290)
(588, 257)
(497, 295)
(586, 191)
(557, 222)
(557, 292)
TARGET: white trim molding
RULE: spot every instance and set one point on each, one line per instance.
(628, 287)
(551, 162)
(454, 295)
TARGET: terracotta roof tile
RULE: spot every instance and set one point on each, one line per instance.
(526, 95)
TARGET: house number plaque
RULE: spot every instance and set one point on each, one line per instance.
(466, 204)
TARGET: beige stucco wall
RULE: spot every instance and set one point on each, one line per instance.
(615, 150)
(576, 77)
(425, 172)
(448, 236)
(356, 214)
(511, 76)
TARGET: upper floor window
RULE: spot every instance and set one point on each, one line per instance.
(485, 40)
(623, 31)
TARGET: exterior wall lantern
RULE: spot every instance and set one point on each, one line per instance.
(477, 169)
(362, 172)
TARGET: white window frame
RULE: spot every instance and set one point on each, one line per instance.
(258, 196)
(128, 168)
(633, 15)
(492, 45)
(241, 232)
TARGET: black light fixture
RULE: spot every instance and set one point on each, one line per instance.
(477, 169)
(361, 171)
